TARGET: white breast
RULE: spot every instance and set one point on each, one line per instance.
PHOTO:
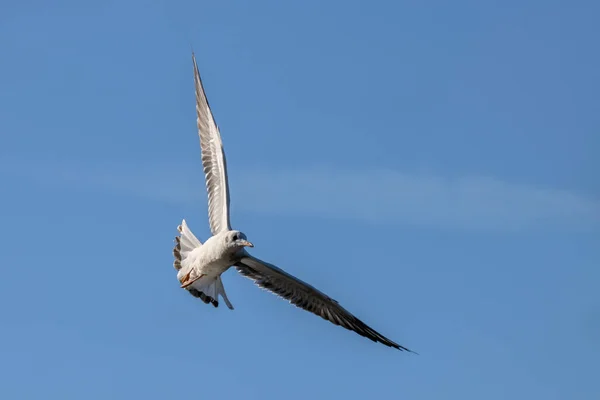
(210, 259)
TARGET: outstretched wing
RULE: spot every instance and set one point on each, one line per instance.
(213, 160)
(303, 295)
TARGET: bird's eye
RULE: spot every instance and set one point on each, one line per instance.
(235, 237)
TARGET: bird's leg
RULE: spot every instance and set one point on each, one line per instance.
(187, 281)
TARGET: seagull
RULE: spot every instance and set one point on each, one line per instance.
(200, 265)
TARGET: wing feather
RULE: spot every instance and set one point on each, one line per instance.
(213, 160)
(305, 296)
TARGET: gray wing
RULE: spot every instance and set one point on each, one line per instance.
(303, 295)
(213, 160)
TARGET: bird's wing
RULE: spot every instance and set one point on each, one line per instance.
(303, 295)
(213, 160)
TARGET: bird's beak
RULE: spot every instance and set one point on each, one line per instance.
(246, 243)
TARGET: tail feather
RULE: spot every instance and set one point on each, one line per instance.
(208, 290)
(184, 244)
(221, 291)
(206, 299)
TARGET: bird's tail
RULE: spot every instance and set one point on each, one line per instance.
(208, 290)
(184, 244)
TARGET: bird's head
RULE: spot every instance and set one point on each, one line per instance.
(238, 240)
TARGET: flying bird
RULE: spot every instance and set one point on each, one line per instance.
(200, 265)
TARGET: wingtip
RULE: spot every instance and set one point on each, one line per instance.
(402, 348)
(195, 64)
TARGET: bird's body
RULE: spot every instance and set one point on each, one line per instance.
(200, 265)
(210, 259)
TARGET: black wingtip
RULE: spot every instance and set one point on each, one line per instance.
(402, 348)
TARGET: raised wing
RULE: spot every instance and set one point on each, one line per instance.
(303, 295)
(213, 160)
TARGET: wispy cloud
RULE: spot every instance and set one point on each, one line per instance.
(373, 195)
(389, 196)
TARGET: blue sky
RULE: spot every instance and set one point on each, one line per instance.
(431, 165)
